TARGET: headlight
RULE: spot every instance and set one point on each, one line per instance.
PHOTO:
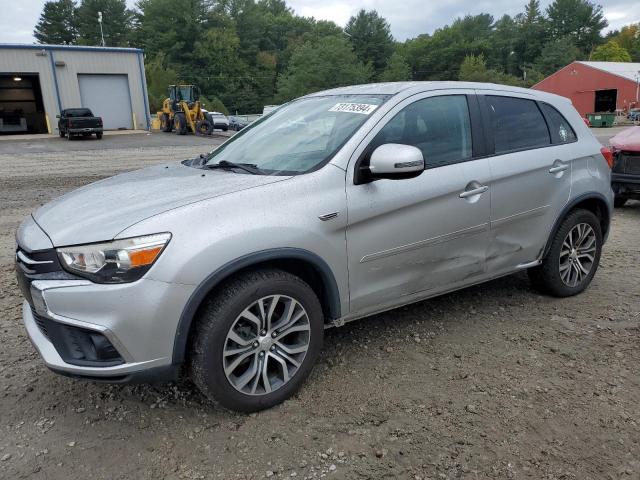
(119, 261)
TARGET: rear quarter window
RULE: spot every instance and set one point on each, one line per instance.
(517, 123)
(561, 131)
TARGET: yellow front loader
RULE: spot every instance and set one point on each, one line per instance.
(182, 112)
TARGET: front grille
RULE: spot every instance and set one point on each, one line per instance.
(79, 346)
(37, 265)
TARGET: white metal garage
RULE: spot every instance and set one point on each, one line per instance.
(37, 82)
(108, 97)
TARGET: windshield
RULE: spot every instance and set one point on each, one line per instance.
(299, 137)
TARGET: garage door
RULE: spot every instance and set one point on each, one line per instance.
(108, 97)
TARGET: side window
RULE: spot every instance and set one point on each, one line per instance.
(561, 131)
(439, 126)
(517, 124)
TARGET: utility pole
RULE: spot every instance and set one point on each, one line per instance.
(101, 32)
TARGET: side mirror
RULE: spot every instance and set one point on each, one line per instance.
(57, 116)
(395, 161)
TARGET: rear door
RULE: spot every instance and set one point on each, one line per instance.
(531, 177)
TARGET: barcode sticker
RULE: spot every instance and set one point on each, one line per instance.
(363, 108)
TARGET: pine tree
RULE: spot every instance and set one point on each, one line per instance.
(57, 23)
(116, 22)
(370, 35)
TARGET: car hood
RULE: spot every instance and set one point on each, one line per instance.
(99, 211)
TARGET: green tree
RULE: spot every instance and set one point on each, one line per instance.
(578, 20)
(159, 77)
(474, 69)
(57, 23)
(529, 37)
(557, 54)
(439, 56)
(213, 104)
(370, 35)
(326, 63)
(171, 28)
(116, 22)
(397, 69)
(611, 52)
(629, 38)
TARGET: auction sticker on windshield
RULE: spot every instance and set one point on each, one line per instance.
(363, 108)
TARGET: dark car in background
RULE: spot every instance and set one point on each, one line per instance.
(75, 122)
(625, 176)
(237, 123)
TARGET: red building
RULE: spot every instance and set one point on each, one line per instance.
(596, 86)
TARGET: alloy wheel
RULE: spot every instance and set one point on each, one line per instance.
(577, 254)
(266, 345)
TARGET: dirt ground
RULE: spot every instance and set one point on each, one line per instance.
(494, 381)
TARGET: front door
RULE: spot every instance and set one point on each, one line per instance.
(412, 236)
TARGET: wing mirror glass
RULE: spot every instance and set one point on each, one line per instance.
(395, 161)
(57, 116)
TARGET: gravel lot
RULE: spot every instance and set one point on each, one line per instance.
(494, 381)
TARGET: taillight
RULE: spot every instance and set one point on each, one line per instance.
(607, 153)
(70, 123)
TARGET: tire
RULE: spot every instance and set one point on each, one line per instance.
(180, 123)
(619, 202)
(560, 276)
(221, 319)
(69, 136)
(99, 135)
(165, 123)
(204, 127)
(225, 128)
(61, 133)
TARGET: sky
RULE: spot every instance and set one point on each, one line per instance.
(408, 18)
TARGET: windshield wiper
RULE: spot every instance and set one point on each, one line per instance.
(247, 167)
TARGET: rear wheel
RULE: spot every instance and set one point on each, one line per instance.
(69, 136)
(573, 257)
(99, 135)
(619, 202)
(204, 127)
(257, 340)
(180, 123)
(165, 123)
(61, 133)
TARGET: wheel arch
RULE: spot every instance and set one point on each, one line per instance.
(302, 263)
(594, 202)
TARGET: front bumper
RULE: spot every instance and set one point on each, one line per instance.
(139, 320)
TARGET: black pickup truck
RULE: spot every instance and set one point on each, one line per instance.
(79, 122)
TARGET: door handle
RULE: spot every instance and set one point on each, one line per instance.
(558, 168)
(475, 191)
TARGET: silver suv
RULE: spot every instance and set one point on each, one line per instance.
(338, 205)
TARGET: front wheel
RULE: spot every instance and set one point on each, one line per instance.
(180, 123)
(573, 257)
(257, 340)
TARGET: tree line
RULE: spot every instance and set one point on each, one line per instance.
(244, 54)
